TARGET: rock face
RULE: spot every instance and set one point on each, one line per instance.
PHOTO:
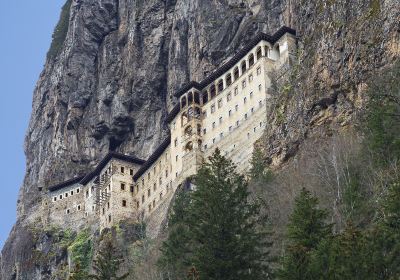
(112, 82)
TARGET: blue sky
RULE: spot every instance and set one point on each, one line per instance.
(25, 29)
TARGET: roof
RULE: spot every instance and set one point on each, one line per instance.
(65, 184)
(229, 64)
(105, 161)
(153, 158)
(86, 178)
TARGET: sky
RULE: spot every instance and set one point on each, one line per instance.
(25, 35)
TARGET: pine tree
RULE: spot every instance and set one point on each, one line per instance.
(258, 171)
(306, 229)
(227, 240)
(107, 263)
(176, 249)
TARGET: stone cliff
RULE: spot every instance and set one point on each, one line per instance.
(110, 81)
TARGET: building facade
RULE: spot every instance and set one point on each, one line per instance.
(227, 110)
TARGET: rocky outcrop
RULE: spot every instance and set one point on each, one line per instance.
(112, 82)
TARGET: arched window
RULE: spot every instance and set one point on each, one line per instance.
(184, 119)
(228, 79)
(212, 91)
(197, 97)
(236, 73)
(266, 49)
(205, 96)
(251, 60)
(198, 129)
(188, 131)
(183, 102)
(190, 101)
(259, 53)
(189, 147)
(243, 66)
(220, 86)
(197, 113)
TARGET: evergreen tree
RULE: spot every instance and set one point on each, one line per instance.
(176, 249)
(306, 229)
(216, 232)
(228, 243)
(384, 239)
(107, 263)
(258, 171)
(342, 256)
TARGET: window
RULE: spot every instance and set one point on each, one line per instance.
(204, 131)
(79, 207)
(251, 94)
(259, 87)
(213, 125)
(123, 203)
(160, 181)
(213, 140)
(260, 124)
(245, 116)
(212, 108)
(109, 218)
(220, 86)
(205, 113)
(72, 192)
(248, 135)
(176, 158)
(142, 198)
(219, 103)
(154, 203)
(122, 186)
(236, 91)
(244, 84)
(244, 100)
(258, 53)
(131, 172)
(205, 147)
(161, 195)
(66, 194)
(254, 129)
(148, 192)
(87, 194)
(122, 169)
(260, 103)
(176, 142)
(166, 173)
(258, 70)
(60, 196)
(221, 135)
(154, 186)
(250, 78)
(230, 113)
(68, 211)
(236, 107)
(243, 66)
(132, 189)
(137, 188)
(251, 60)
(252, 110)
(148, 176)
(55, 198)
(137, 204)
(229, 97)
(108, 205)
(237, 123)
(220, 120)
(236, 73)
(77, 190)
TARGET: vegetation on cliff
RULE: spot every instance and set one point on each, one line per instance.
(60, 31)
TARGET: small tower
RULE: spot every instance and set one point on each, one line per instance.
(191, 121)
